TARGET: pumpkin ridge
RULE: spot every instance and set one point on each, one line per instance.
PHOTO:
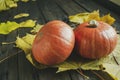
(58, 37)
(54, 52)
(110, 49)
(98, 36)
(63, 40)
(39, 59)
(93, 42)
(104, 32)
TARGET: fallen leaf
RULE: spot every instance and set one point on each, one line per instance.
(23, 45)
(9, 26)
(95, 15)
(108, 19)
(21, 15)
(79, 18)
(7, 4)
(24, 0)
(113, 70)
(36, 28)
(27, 23)
(11, 3)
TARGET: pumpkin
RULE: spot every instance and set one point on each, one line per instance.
(53, 43)
(95, 39)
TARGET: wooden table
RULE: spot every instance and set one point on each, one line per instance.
(18, 67)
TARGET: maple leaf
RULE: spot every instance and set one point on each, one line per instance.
(9, 26)
(95, 15)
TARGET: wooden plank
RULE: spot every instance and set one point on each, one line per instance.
(50, 73)
(4, 71)
(62, 76)
(83, 75)
(46, 74)
(25, 69)
(91, 75)
(75, 75)
(5, 16)
(49, 10)
(46, 13)
(112, 5)
(8, 49)
(56, 11)
(34, 12)
(69, 7)
(13, 68)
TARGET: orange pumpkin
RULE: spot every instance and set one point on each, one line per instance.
(95, 39)
(53, 43)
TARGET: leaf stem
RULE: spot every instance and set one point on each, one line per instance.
(10, 56)
(98, 75)
(5, 43)
(81, 73)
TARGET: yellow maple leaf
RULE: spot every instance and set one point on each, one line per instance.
(7, 4)
(79, 18)
(93, 16)
(27, 23)
(108, 19)
(36, 28)
(9, 26)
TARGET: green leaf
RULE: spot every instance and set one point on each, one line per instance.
(9, 26)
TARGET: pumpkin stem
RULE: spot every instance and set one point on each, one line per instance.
(93, 24)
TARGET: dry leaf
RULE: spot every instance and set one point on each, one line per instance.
(6, 28)
(27, 23)
(24, 0)
(36, 28)
(79, 18)
(7, 4)
(95, 15)
(9, 26)
(108, 19)
(21, 15)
